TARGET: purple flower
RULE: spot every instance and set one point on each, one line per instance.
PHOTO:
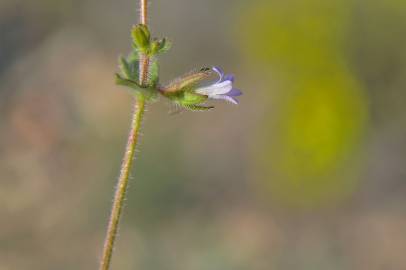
(222, 89)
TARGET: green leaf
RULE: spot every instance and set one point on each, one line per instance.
(129, 67)
(126, 82)
(133, 56)
(136, 89)
(154, 72)
(125, 67)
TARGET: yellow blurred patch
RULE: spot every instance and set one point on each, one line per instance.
(309, 147)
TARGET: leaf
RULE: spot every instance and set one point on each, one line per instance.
(126, 82)
(135, 89)
(125, 67)
(134, 56)
(129, 67)
(154, 72)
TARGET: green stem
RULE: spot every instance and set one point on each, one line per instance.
(122, 184)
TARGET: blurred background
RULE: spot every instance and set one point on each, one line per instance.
(307, 173)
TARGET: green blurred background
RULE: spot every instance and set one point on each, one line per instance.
(307, 173)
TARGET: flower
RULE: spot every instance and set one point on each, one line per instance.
(222, 89)
(188, 92)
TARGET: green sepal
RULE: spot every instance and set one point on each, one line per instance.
(184, 98)
(150, 94)
(198, 107)
(190, 98)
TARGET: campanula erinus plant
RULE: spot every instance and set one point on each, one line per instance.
(139, 73)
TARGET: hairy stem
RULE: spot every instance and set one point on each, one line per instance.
(122, 183)
(144, 59)
(143, 12)
(144, 67)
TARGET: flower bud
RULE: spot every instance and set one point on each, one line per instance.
(141, 37)
(160, 46)
(155, 45)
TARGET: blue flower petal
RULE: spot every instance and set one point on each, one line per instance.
(220, 72)
(229, 77)
(234, 93)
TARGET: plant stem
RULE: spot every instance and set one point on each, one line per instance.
(143, 12)
(144, 59)
(122, 183)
